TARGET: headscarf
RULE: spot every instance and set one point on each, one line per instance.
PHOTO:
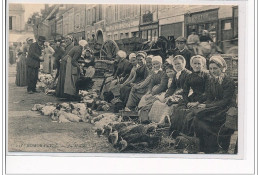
(184, 64)
(217, 59)
(131, 56)
(157, 58)
(121, 54)
(83, 43)
(143, 56)
(150, 56)
(203, 60)
(141, 53)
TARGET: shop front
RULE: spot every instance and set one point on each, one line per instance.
(149, 32)
(206, 20)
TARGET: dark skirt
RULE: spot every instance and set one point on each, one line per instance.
(61, 80)
(12, 57)
(124, 93)
(208, 124)
(21, 72)
(181, 120)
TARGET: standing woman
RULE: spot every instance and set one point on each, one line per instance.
(47, 55)
(211, 115)
(73, 69)
(62, 72)
(11, 54)
(21, 69)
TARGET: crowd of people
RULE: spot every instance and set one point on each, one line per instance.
(71, 59)
(181, 90)
(189, 90)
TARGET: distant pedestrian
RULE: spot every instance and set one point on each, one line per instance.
(182, 50)
(21, 68)
(48, 58)
(33, 63)
(193, 41)
(11, 54)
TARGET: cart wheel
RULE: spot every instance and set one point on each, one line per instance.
(108, 50)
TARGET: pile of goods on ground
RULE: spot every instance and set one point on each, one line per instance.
(124, 133)
(46, 82)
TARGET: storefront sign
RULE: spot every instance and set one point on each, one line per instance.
(202, 17)
(148, 27)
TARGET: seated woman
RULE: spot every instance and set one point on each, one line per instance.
(121, 73)
(138, 90)
(157, 85)
(138, 73)
(174, 92)
(211, 115)
(195, 82)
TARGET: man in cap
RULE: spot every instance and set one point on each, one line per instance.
(182, 50)
(193, 41)
(33, 63)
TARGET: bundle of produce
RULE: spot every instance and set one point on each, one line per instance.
(37, 107)
(65, 117)
(48, 110)
(104, 119)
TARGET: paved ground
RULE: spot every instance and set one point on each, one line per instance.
(29, 131)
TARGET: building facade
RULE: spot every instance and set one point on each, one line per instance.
(95, 23)
(16, 17)
(149, 23)
(79, 21)
(122, 21)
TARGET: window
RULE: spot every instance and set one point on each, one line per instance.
(94, 15)
(126, 35)
(115, 37)
(10, 23)
(121, 36)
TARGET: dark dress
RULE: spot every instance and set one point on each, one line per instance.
(21, 68)
(141, 74)
(58, 54)
(208, 121)
(187, 55)
(72, 71)
(124, 68)
(197, 82)
(62, 72)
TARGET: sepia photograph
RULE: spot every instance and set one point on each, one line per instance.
(122, 78)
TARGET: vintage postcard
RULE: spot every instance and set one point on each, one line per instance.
(123, 78)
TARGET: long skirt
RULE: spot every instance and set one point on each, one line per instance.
(181, 120)
(12, 57)
(124, 93)
(208, 124)
(48, 63)
(61, 78)
(158, 111)
(21, 72)
(71, 78)
(135, 97)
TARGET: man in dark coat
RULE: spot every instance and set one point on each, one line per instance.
(182, 50)
(33, 63)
